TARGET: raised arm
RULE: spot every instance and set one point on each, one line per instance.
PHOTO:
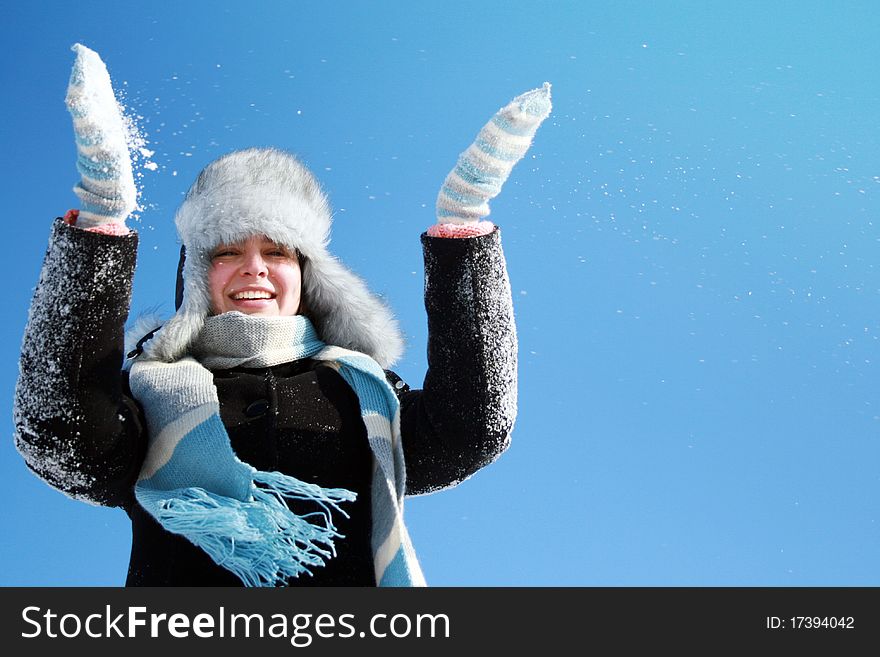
(462, 418)
(74, 425)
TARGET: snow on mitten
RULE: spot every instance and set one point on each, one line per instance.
(106, 189)
(484, 167)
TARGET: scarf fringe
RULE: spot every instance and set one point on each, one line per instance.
(261, 541)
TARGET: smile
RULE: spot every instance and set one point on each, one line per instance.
(252, 294)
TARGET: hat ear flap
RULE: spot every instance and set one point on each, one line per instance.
(179, 332)
(347, 314)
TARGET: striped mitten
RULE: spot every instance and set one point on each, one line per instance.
(106, 189)
(484, 167)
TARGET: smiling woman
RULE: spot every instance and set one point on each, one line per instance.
(255, 277)
(249, 443)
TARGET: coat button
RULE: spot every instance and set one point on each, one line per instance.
(257, 408)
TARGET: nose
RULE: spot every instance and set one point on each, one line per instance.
(254, 265)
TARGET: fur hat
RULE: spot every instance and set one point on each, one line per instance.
(265, 191)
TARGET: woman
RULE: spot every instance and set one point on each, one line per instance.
(255, 438)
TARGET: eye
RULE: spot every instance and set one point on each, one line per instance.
(224, 252)
(277, 252)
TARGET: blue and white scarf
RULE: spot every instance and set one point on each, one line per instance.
(195, 486)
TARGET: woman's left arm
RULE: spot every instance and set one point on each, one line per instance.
(462, 418)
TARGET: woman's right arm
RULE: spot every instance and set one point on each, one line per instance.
(74, 426)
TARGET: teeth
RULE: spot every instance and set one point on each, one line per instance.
(252, 294)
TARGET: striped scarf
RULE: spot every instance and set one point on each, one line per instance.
(192, 483)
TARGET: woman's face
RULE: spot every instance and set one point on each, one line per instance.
(256, 277)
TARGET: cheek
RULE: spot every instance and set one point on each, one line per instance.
(290, 280)
(289, 276)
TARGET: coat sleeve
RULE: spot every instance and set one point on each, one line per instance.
(462, 417)
(74, 426)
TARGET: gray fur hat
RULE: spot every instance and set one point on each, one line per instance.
(265, 191)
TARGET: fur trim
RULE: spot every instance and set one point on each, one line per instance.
(264, 191)
(251, 192)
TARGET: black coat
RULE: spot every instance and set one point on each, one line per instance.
(79, 428)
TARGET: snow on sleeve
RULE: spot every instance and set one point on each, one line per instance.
(470, 390)
(492, 303)
(74, 293)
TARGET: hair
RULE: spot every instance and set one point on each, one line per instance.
(303, 302)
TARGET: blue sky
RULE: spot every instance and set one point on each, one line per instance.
(692, 245)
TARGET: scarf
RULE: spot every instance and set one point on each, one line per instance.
(192, 483)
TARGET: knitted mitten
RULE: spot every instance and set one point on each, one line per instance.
(484, 167)
(106, 189)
